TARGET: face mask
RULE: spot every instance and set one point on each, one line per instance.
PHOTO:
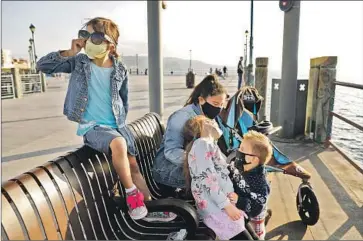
(94, 51)
(210, 111)
(241, 161)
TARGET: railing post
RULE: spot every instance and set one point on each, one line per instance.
(261, 71)
(43, 81)
(320, 101)
(18, 88)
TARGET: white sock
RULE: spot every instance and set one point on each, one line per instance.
(131, 189)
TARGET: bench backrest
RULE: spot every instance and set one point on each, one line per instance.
(71, 197)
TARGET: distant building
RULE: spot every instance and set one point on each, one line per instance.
(21, 63)
(6, 59)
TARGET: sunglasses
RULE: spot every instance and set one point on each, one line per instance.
(96, 37)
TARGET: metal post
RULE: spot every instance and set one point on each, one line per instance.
(137, 64)
(289, 71)
(190, 60)
(245, 51)
(35, 55)
(250, 80)
(156, 95)
(30, 50)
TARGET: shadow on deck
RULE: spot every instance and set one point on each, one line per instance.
(338, 187)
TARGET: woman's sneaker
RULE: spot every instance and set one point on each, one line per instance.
(160, 217)
(135, 202)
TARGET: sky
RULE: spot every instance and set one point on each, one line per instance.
(214, 30)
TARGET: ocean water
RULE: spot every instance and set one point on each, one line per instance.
(348, 103)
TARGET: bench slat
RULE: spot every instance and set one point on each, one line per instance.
(25, 209)
(58, 204)
(41, 204)
(142, 159)
(104, 191)
(71, 198)
(10, 222)
(81, 209)
(85, 178)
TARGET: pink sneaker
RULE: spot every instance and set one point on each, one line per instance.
(135, 202)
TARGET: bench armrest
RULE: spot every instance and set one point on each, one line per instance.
(181, 208)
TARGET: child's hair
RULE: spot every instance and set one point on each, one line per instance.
(261, 146)
(106, 26)
(210, 86)
(191, 131)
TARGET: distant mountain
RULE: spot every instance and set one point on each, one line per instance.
(171, 63)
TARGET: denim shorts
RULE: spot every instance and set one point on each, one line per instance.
(100, 138)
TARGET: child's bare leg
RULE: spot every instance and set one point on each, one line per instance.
(121, 162)
(137, 178)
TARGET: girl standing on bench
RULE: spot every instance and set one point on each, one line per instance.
(207, 177)
(97, 99)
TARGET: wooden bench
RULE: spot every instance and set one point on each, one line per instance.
(79, 196)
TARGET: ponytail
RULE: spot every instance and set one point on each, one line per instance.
(210, 86)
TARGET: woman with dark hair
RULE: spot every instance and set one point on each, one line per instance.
(208, 99)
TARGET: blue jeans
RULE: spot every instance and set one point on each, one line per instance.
(240, 80)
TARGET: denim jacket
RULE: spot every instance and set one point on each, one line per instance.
(168, 163)
(77, 93)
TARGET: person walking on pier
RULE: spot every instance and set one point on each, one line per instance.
(225, 71)
(97, 99)
(240, 72)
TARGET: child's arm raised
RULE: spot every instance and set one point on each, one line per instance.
(61, 61)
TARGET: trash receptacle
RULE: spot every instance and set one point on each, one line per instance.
(190, 79)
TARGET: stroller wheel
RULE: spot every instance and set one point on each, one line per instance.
(309, 211)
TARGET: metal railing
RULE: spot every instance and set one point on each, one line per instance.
(183, 72)
(7, 86)
(332, 114)
(31, 83)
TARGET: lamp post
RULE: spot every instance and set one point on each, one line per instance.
(245, 50)
(32, 29)
(30, 51)
(137, 64)
(250, 81)
(190, 60)
(32, 60)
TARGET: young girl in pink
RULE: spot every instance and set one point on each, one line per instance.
(207, 177)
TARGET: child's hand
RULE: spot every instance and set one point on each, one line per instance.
(233, 197)
(233, 212)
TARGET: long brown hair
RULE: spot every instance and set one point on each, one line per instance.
(106, 26)
(210, 86)
(191, 131)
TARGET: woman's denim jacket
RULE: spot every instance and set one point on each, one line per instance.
(77, 93)
(168, 163)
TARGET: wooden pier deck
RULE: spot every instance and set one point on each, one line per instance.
(35, 131)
